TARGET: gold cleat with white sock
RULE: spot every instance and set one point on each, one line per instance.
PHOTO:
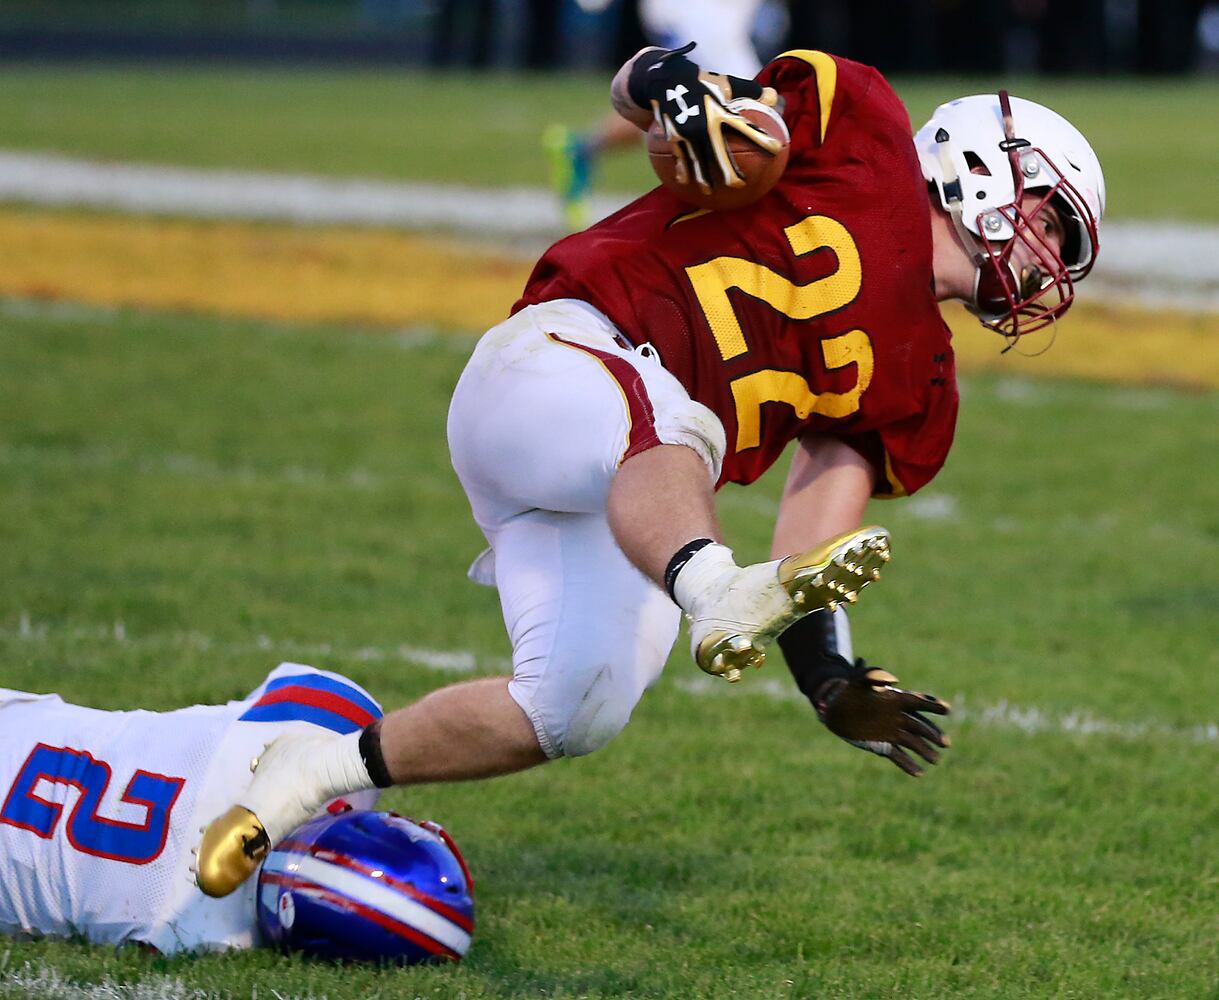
(232, 849)
(737, 625)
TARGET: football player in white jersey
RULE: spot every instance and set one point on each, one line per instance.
(722, 31)
(100, 810)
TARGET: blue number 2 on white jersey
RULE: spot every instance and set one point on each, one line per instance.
(132, 843)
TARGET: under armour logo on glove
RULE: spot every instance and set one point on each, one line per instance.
(692, 106)
(678, 95)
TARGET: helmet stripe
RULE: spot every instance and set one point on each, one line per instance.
(367, 912)
(372, 893)
(459, 918)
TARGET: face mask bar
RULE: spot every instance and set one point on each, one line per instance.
(1014, 298)
(1016, 301)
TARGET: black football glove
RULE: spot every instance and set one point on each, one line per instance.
(862, 706)
(692, 106)
(859, 703)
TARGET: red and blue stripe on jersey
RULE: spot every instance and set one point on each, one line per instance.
(324, 701)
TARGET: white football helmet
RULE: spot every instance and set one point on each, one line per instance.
(983, 153)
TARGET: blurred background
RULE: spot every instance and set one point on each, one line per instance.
(1058, 36)
(487, 119)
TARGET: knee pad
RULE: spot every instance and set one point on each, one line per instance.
(575, 712)
(602, 714)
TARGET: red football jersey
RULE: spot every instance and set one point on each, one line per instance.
(810, 310)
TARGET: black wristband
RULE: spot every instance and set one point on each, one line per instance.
(374, 759)
(810, 647)
(679, 560)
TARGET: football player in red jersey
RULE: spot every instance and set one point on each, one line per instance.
(664, 352)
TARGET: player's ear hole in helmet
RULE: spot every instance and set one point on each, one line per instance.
(368, 887)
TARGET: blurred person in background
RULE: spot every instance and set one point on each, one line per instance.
(722, 30)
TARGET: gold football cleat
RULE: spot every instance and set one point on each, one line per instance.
(233, 847)
(821, 578)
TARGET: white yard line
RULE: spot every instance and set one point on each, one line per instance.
(186, 466)
(1155, 263)
(39, 981)
(1029, 719)
(45, 983)
(48, 179)
(446, 661)
(924, 507)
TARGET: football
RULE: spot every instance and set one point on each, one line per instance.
(760, 169)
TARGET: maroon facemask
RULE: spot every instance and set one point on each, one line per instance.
(1016, 301)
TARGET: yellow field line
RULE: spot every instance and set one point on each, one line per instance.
(246, 269)
(377, 277)
(1120, 344)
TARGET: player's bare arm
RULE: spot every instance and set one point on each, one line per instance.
(827, 490)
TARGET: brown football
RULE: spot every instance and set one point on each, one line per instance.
(760, 169)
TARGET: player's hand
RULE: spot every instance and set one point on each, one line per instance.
(692, 106)
(864, 708)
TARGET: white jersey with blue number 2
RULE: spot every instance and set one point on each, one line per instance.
(99, 810)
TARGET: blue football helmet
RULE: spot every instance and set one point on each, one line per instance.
(368, 886)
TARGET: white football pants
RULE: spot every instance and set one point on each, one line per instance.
(551, 402)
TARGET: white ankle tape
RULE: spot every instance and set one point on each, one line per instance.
(699, 574)
(343, 767)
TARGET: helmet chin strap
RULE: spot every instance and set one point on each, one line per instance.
(955, 199)
(1010, 144)
(956, 207)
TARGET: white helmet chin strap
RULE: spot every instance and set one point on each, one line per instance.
(955, 198)
(956, 205)
(953, 195)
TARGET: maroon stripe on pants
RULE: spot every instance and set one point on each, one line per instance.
(642, 418)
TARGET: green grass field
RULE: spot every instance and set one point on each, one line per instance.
(1160, 159)
(187, 501)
